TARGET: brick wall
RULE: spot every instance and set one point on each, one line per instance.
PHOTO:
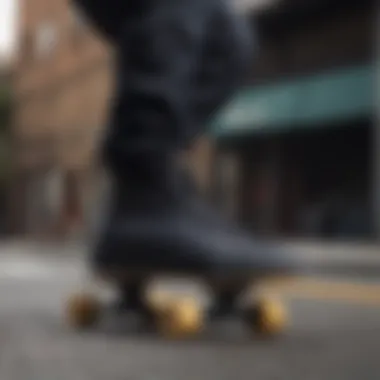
(62, 80)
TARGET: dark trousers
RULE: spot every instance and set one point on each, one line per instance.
(177, 62)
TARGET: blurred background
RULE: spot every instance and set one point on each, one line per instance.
(295, 156)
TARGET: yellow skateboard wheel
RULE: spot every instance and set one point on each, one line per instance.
(179, 318)
(82, 310)
(267, 317)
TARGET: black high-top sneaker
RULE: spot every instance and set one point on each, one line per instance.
(157, 223)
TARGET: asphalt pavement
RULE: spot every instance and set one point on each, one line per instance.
(336, 337)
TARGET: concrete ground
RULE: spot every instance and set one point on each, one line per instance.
(335, 333)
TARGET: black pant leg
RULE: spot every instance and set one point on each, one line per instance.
(228, 52)
(157, 61)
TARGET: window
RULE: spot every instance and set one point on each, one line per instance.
(46, 39)
(25, 51)
(78, 27)
(78, 20)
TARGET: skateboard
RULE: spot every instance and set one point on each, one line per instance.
(175, 313)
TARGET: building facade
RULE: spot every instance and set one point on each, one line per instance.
(61, 83)
(300, 135)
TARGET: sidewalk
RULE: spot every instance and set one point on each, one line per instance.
(338, 258)
(34, 247)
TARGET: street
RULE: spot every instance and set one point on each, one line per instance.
(326, 340)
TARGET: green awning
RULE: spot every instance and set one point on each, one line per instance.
(326, 99)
